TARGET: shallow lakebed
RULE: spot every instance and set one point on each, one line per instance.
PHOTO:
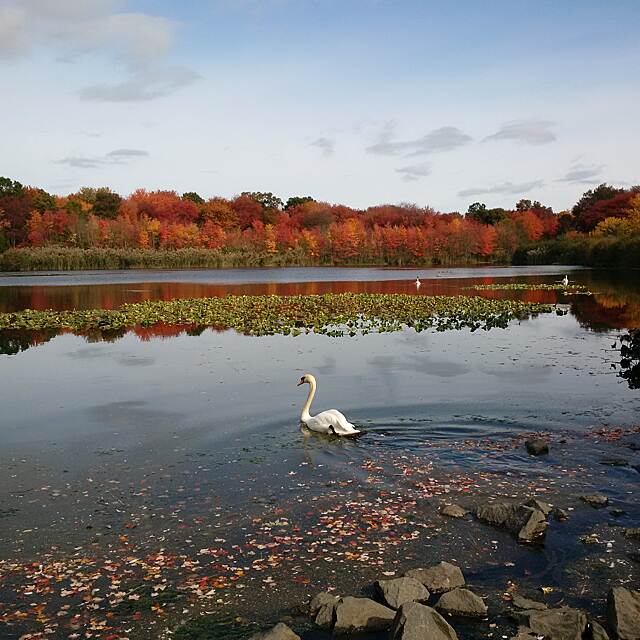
(153, 475)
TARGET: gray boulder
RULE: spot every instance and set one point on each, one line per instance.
(526, 603)
(595, 500)
(322, 609)
(596, 632)
(524, 633)
(361, 614)
(545, 507)
(453, 511)
(439, 578)
(320, 600)
(279, 632)
(529, 524)
(416, 621)
(557, 624)
(396, 592)
(536, 447)
(462, 602)
(623, 613)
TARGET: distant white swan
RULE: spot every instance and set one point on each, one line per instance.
(418, 283)
(331, 421)
(565, 281)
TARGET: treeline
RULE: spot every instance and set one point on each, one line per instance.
(99, 229)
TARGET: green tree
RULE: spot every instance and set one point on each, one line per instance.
(266, 199)
(10, 188)
(296, 200)
(478, 211)
(193, 196)
(106, 204)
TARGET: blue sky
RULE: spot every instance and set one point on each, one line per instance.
(360, 102)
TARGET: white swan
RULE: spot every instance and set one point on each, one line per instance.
(418, 283)
(565, 281)
(331, 421)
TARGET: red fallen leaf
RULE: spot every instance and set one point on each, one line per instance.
(130, 525)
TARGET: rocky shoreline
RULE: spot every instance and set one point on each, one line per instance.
(427, 602)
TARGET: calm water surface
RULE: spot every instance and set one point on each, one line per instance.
(132, 443)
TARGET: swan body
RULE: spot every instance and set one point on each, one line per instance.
(565, 281)
(418, 283)
(330, 421)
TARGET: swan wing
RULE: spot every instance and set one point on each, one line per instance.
(339, 424)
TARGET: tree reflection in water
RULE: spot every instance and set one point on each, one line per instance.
(630, 358)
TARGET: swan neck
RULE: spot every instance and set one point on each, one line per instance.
(305, 415)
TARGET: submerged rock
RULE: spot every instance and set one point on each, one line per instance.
(633, 533)
(557, 624)
(526, 603)
(595, 500)
(524, 633)
(361, 614)
(536, 447)
(453, 511)
(615, 462)
(439, 578)
(396, 592)
(559, 514)
(279, 632)
(527, 523)
(419, 622)
(623, 613)
(461, 602)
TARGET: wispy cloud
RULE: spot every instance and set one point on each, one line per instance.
(326, 145)
(525, 131)
(438, 140)
(582, 174)
(505, 187)
(415, 171)
(138, 43)
(117, 156)
(142, 86)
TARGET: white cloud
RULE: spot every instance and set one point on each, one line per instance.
(414, 172)
(443, 139)
(13, 21)
(326, 145)
(582, 174)
(526, 131)
(117, 156)
(505, 187)
(143, 85)
(139, 43)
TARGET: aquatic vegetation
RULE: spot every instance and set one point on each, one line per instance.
(330, 314)
(529, 287)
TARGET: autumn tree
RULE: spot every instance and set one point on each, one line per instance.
(582, 208)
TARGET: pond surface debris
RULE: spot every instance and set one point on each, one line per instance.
(330, 314)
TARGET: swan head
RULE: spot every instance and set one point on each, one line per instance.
(307, 378)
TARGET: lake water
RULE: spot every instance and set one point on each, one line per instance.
(171, 456)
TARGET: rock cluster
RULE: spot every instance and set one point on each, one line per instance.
(403, 607)
(421, 605)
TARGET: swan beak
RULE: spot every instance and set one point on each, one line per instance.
(299, 383)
